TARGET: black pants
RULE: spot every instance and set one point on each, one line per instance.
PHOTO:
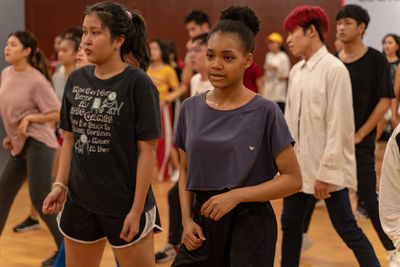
(175, 216)
(342, 218)
(246, 236)
(366, 178)
(35, 162)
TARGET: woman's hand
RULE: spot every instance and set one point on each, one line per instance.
(219, 205)
(55, 200)
(23, 126)
(7, 143)
(192, 235)
(131, 226)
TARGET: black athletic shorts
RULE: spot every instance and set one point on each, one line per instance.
(81, 225)
(246, 236)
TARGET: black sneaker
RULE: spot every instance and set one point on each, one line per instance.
(29, 224)
(50, 261)
(167, 253)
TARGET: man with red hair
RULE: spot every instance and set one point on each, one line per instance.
(319, 113)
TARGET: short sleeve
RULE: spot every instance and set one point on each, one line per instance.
(278, 131)
(172, 78)
(385, 85)
(147, 109)
(44, 96)
(65, 119)
(180, 132)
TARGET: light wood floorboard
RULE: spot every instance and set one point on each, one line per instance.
(328, 250)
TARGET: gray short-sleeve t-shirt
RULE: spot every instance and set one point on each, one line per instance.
(228, 149)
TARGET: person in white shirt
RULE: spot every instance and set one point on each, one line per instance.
(276, 71)
(199, 83)
(319, 113)
(389, 189)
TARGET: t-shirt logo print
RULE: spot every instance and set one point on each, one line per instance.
(82, 144)
(109, 103)
(251, 148)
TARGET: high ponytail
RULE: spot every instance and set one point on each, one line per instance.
(119, 21)
(39, 62)
(139, 46)
(36, 57)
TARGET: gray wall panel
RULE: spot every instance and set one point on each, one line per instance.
(12, 18)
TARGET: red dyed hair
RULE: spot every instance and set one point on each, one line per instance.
(302, 15)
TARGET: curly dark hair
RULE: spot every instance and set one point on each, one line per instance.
(242, 21)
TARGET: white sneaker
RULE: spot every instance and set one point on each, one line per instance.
(167, 253)
(174, 176)
(393, 258)
(319, 203)
(307, 243)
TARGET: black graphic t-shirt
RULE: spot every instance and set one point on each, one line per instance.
(107, 118)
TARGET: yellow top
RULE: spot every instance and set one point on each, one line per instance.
(164, 79)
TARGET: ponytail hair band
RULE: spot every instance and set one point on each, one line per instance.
(129, 14)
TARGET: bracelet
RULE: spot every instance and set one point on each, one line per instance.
(61, 184)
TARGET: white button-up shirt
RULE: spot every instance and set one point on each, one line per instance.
(319, 113)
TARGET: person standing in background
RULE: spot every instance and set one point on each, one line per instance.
(29, 109)
(372, 92)
(276, 71)
(165, 78)
(391, 49)
(196, 23)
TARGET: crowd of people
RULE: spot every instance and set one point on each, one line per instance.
(88, 126)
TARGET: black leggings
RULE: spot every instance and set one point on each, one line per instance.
(246, 236)
(35, 162)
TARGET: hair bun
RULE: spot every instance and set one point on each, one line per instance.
(243, 14)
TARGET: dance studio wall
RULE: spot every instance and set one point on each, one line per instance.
(47, 18)
(12, 18)
(384, 19)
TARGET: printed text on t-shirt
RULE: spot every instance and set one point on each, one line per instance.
(92, 118)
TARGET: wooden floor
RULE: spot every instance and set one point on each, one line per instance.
(328, 250)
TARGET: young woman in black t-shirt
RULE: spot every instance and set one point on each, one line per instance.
(110, 115)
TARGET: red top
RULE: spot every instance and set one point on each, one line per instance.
(251, 74)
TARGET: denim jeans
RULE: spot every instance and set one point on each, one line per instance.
(342, 218)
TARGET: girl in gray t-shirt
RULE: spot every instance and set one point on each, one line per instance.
(232, 144)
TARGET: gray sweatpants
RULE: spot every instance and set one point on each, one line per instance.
(35, 162)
